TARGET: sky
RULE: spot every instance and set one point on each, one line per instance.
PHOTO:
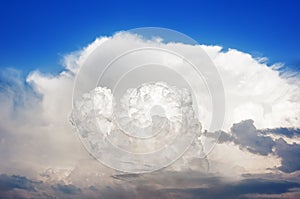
(41, 33)
(52, 52)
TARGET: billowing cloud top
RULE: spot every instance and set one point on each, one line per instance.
(253, 89)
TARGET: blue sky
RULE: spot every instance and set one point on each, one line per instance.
(36, 34)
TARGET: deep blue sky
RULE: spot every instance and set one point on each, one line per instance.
(36, 34)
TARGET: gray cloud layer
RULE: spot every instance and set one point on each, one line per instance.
(212, 187)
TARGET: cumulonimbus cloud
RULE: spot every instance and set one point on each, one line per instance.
(37, 134)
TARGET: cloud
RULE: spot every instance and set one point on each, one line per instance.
(35, 134)
(246, 136)
(287, 132)
(192, 184)
(162, 184)
(67, 189)
(290, 155)
(37, 141)
(8, 183)
(253, 89)
(243, 189)
(153, 107)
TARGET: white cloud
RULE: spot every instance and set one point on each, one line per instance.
(38, 134)
(34, 132)
(156, 111)
(253, 89)
(256, 91)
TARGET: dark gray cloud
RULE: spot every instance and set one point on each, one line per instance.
(152, 186)
(288, 132)
(247, 137)
(235, 190)
(8, 183)
(193, 184)
(67, 189)
(290, 155)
